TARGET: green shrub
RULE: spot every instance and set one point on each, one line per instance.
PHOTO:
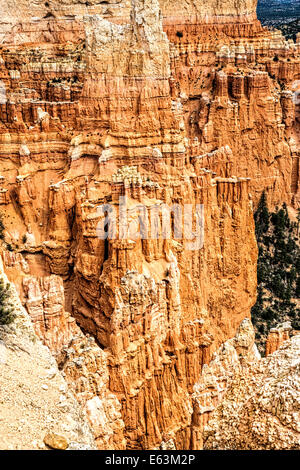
(2, 228)
(6, 310)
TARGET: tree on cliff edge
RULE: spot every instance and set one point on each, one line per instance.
(6, 311)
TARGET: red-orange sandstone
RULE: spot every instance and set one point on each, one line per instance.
(204, 106)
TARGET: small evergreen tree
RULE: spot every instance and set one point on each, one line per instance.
(262, 217)
(6, 311)
(2, 228)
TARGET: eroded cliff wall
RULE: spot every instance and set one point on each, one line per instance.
(135, 104)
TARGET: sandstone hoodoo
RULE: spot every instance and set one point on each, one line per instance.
(136, 140)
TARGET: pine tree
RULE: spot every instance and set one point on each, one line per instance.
(262, 217)
(2, 228)
(6, 311)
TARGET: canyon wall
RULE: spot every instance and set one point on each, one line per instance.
(134, 104)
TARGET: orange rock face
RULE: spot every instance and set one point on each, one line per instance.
(45, 304)
(196, 110)
(277, 337)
